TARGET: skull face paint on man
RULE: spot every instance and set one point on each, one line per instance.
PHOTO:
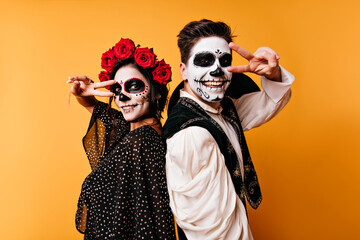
(207, 68)
(131, 92)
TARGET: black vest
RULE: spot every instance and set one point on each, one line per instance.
(188, 113)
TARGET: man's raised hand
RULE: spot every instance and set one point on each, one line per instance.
(264, 62)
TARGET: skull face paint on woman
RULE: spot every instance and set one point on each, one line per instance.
(131, 92)
(207, 68)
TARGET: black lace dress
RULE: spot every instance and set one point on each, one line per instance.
(125, 196)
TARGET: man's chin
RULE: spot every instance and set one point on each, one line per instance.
(213, 99)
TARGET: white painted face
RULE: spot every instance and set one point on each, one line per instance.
(207, 68)
(131, 92)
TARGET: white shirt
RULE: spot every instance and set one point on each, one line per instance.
(202, 195)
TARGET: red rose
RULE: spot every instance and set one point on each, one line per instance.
(108, 60)
(104, 76)
(124, 49)
(162, 73)
(145, 57)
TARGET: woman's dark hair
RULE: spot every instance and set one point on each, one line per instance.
(156, 105)
(195, 30)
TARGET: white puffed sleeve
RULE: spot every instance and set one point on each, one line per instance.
(255, 109)
(202, 195)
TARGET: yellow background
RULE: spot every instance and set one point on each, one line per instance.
(307, 158)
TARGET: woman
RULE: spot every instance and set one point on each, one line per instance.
(125, 195)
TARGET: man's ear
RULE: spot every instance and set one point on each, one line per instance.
(183, 72)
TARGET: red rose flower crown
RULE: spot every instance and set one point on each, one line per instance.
(144, 57)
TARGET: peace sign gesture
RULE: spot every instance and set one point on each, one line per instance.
(84, 89)
(83, 86)
(264, 62)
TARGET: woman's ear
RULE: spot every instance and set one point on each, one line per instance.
(183, 72)
(158, 96)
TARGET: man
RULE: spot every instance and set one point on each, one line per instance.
(208, 165)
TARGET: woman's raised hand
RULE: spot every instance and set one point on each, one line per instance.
(83, 86)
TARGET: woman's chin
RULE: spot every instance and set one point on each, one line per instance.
(129, 118)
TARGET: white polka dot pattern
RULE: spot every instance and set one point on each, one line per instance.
(125, 195)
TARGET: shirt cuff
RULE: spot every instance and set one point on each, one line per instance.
(276, 90)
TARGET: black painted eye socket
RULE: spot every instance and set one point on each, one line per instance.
(116, 89)
(134, 85)
(225, 60)
(204, 59)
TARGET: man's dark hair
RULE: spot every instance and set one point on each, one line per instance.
(195, 30)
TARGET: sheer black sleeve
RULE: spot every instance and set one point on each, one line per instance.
(125, 196)
(106, 126)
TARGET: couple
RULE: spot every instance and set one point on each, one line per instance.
(209, 171)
